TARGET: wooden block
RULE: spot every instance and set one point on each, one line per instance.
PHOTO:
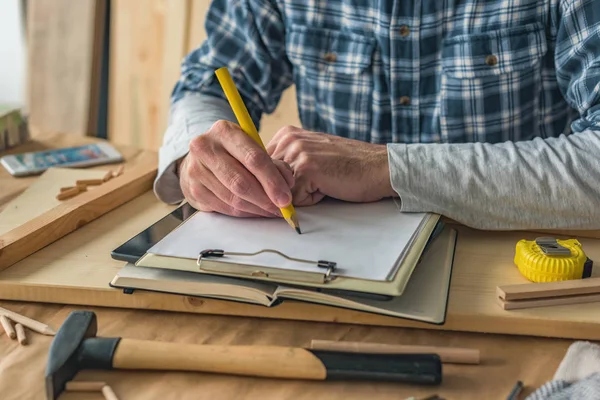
(548, 301)
(8, 328)
(54, 224)
(21, 337)
(84, 386)
(40, 196)
(549, 289)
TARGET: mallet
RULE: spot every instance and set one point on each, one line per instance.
(76, 347)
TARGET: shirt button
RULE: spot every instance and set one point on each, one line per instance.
(491, 60)
(330, 57)
(404, 31)
(404, 100)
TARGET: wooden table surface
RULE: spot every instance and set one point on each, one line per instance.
(505, 359)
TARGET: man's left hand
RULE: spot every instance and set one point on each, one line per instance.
(328, 165)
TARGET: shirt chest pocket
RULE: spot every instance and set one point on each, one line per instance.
(334, 80)
(491, 85)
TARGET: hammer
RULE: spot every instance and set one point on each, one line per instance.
(76, 347)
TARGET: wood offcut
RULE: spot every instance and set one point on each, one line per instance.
(54, 224)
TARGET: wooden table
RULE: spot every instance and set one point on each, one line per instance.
(505, 359)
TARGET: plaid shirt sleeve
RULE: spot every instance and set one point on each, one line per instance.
(247, 36)
(577, 56)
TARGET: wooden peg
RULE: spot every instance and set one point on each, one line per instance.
(8, 328)
(119, 171)
(89, 182)
(108, 176)
(108, 393)
(67, 194)
(84, 386)
(62, 189)
(28, 322)
(21, 334)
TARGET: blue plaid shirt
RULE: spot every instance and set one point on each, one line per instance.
(411, 71)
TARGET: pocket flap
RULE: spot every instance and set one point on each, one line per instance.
(495, 52)
(326, 50)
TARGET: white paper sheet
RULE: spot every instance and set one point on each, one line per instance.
(365, 240)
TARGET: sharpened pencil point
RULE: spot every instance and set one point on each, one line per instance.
(298, 230)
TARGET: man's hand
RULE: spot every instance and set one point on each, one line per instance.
(327, 165)
(225, 171)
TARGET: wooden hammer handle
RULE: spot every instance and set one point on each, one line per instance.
(264, 361)
(277, 362)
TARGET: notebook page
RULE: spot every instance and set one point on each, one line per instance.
(365, 240)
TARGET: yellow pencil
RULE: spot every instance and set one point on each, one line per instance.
(247, 125)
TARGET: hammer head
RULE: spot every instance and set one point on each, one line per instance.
(63, 363)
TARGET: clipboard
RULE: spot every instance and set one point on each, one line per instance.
(318, 273)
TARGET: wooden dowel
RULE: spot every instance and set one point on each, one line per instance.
(32, 324)
(89, 182)
(8, 328)
(67, 194)
(450, 355)
(119, 171)
(84, 386)
(82, 188)
(108, 176)
(21, 337)
(108, 393)
(62, 189)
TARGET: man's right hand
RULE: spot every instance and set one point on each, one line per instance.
(225, 171)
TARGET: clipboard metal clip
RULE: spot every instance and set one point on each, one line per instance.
(324, 277)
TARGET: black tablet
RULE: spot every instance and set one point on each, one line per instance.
(132, 250)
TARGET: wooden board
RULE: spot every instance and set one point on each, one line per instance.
(77, 270)
(41, 195)
(74, 213)
(64, 57)
(149, 39)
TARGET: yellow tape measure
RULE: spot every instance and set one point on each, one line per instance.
(547, 259)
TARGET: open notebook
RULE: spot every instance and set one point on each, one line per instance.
(356, 247)
(425, 298)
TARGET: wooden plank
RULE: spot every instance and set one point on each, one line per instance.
(41, 195)
(548, 302)
(549, 289)
(148, 42)
(177, 20)
(64, 58)
(72, 214)
(13, 187)
(78, 269)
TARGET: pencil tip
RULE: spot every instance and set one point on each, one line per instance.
(298, 230)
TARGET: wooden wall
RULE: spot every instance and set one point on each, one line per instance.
(64, 46)
(148, 39)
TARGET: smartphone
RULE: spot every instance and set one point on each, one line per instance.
(34, 163)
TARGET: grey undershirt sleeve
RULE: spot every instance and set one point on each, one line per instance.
(191, 116)
(536, 184)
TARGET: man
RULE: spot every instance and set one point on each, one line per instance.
(487, 112)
